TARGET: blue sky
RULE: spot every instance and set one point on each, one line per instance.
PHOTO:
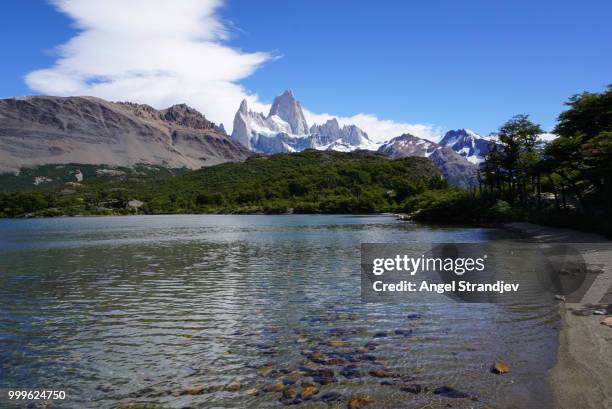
(438, 64)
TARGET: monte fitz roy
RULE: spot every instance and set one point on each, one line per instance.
(285, 129)
(38, 131)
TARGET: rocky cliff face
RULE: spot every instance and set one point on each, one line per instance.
(331, 133)
(58, 130)
(287, 108)
(457, 169)
(467, 143)
(285, 129)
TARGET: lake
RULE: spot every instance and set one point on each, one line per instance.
(173, 309)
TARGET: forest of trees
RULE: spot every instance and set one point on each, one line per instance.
(566, 181)
(303, 182)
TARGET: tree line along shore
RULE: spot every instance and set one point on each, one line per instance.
(565, 182)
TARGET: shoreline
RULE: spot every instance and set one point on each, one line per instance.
(582, 375)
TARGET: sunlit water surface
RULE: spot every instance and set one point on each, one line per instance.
(118, 310)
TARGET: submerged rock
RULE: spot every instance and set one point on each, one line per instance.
(252, 392)
(413, 388)
(317, 357)
(500, 368)
(357, 402)
(380, 334)
(381, 373)
(309, 367)
(331, 397)
(308, 392)
(194, 390)
(337, 343)
(371, 345)
(366, 357)
(323, 376)
(350, 372)
(289, 396)
(449, 392)
(265, 370)
(233, 386)
(274, 387)
(291, 379)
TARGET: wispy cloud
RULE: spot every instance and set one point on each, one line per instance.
(168, 52)
(379, 130)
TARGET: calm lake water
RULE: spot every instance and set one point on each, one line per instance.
(117, 310)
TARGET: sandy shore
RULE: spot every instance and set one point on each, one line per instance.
(582, 377)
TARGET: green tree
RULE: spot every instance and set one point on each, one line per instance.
(512, 161)
(582, 152)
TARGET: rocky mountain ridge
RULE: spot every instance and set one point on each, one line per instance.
(285, 129)
(41, 130)
(456, 168)
(44, 130)
(468, 144)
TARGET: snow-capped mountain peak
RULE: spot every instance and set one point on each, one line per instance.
(286, 107)
(285, 130)
(467, 143)
(456, 168)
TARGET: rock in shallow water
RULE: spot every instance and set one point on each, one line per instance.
(233, 386)
(449, 392)
(323, 376)
(290, 393)
(194, 390)
(265, 370)
(357, 402)
(274, 387)
(381, 373)
(350, 372)
(371, 345)
(500, 368)
(308, 392)
(331, 397)
(413, 388)
(252, 392)
(337, 343)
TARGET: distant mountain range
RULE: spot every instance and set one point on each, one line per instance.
(60, 130)
(285, 129)
(45, 130)
(457, 169)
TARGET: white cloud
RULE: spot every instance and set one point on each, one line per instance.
(167, 52)
(379, 130)
(158, 53)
